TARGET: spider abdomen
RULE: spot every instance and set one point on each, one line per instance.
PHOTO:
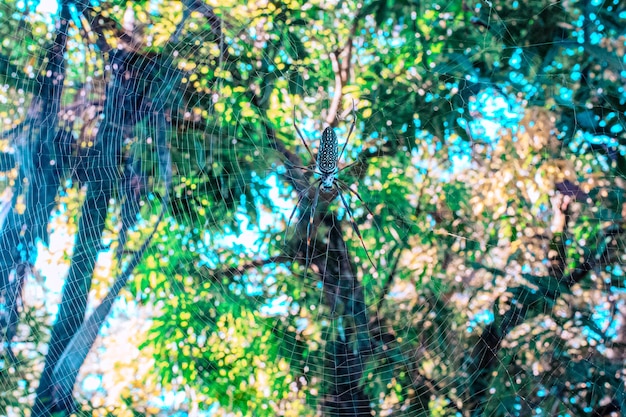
(326, 172)
(328, 152)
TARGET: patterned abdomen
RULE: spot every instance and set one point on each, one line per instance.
(328, 152)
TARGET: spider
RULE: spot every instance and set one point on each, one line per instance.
(326, 167)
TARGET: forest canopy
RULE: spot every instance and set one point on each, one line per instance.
(325, 208)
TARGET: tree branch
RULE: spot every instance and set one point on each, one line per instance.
(342, 74)
(69, 364)
(242, 269)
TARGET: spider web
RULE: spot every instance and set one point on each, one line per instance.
(488, 147)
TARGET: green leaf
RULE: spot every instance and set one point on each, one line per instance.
(295, 47)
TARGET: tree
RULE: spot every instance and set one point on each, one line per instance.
(497, 277)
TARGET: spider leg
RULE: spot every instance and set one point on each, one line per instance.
(300, 134)
(293, 212)
(304, 168)
(354, 226)
(308, 229)
(350, 132)
(348, 166)
(347, 187)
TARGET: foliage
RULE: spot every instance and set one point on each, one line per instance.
(489, 147)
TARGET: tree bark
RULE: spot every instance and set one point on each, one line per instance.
(41, 164)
